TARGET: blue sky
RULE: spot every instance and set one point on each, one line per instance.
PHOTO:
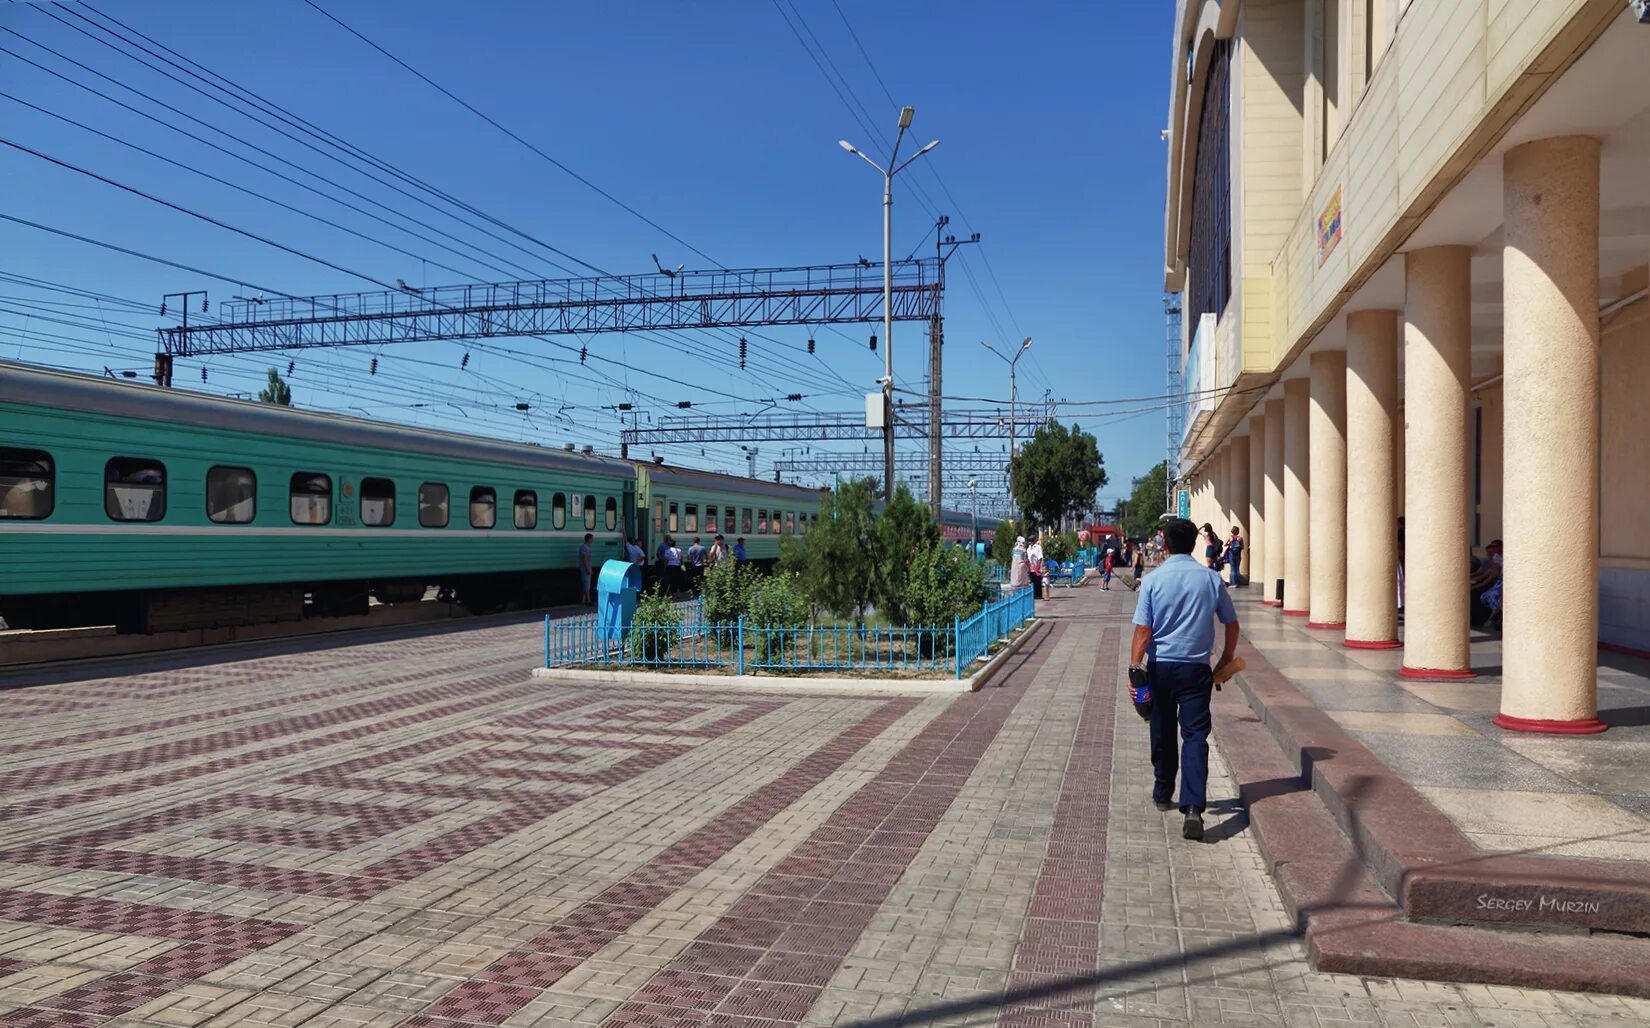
(712, 120)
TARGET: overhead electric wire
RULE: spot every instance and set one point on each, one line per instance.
(275, 110)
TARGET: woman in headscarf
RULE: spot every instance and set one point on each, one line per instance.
(1019, 573)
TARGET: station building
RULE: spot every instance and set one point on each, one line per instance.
(1411, 241)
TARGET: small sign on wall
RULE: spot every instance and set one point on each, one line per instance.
(1329, 227)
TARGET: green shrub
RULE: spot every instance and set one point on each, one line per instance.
(777, 601)
(656, 627)
(1060, 546)
(725, 592)
(942, 586)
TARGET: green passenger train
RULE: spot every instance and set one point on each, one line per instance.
(123, 503)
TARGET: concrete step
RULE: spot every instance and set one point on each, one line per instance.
(1381, 883)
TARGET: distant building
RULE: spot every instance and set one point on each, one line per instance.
(1411, 242)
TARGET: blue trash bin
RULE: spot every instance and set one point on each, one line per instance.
(618, 584)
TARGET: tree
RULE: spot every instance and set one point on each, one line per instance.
(904, 528)
(838, 555)
(1140, 513)
(1002, 543)
(276, 391)
(1057, 473)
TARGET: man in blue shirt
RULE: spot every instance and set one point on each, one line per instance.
(1174, 634)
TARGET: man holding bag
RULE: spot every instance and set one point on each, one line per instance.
(1173, 636)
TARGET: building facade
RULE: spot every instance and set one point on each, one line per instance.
(1411, 239)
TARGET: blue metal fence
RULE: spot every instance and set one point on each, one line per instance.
(746, 648)
(995, 620)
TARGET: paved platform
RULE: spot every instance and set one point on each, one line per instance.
(407, 830)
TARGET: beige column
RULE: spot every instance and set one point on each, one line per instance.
(1297, 503)
(1275, 514)
(1327, 459)
(1254, 530)
(1492, 450)
(1237, 479)
(1550, 620)
(1223, 509)
(1371, 484)
(1437, 352)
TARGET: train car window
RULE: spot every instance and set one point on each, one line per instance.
(658, 516)
(745, 519)
(527, 508)
(134, 489)
(674, 520)
(761, 522)
(309, 498)
(710, 520)
(434, 501)
(483, 507)
(691, 512)
(730, 521)
(589, 513)
(612, 514)
(802, 524)
(790, 522)
(558, 511)
(27, 484)
(377, 502)
(231, 495)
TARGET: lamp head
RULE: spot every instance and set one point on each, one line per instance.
(927, 148)
(846, 145)
(905, 116)
(1027, 344)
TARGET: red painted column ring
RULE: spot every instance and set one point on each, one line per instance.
(1580, 726)
(1372, 644)
(1435, 674)
(1326, 624)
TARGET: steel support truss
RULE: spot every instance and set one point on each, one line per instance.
(911, 422)
(816, 295)
(976, 464)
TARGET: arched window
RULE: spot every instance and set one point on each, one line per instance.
(377, 502)
(527, 508)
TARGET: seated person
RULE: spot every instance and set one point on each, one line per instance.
(1485, 585)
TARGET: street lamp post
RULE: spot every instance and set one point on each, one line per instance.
(1012, 396)
(974, 496)
(888, 174)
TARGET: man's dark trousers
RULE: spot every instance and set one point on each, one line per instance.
(1180, 700)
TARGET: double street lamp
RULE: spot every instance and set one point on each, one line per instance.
(1012, 396)
(888, 174)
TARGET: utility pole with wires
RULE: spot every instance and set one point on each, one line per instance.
(944, 246)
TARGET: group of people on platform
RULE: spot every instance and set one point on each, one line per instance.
(678, 569)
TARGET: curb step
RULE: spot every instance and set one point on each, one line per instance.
(1340, 885)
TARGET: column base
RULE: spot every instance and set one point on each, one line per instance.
(1295, 613)
(1580, 726)
(1630, 651)
(1272, 603)
(1372, 644)
(1326, 624)
(1435, 674)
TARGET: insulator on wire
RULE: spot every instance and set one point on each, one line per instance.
(289, 366)
(465, 362)
(584, 351)
(373, 369)
(203, 374)
(204, 307)
(742, 345)
(163, 308)
(794, 397)
(873, 342)
(810, 346)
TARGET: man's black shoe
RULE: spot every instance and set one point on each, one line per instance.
(1163, 805)
(1193, 828)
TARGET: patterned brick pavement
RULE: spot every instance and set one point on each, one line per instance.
(408, 831)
